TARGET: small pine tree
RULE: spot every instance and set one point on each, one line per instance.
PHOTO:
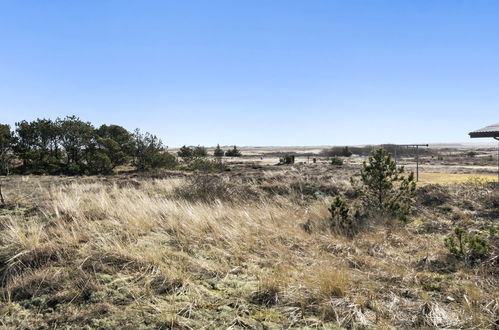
(383, 189)
(233, 153)
(218, 152)
(346, 152)
(345, 220)
(471, 248)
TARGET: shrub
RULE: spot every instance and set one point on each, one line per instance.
(336, 161)
(150, 153)
(470, 248)
(471, 154)
(287, 159)
(209, 188)
(344, 221)
(200, 151)
(383, 189)
(234, 152)
(185, 152)
(337, 151)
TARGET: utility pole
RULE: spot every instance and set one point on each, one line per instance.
(416, 146)
(497, 138)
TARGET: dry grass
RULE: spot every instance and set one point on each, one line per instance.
(450, 178)
(157, 253)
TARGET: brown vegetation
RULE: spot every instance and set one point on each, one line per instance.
(245, 248)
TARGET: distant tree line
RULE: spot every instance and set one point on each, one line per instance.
(393, 149)
(189, 153)
(72, 146)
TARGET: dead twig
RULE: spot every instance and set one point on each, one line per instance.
(2, 200)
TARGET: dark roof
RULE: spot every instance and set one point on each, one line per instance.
(489, 131)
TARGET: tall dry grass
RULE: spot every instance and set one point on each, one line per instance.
(100, 254)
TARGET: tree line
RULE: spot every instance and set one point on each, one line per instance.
(72, 146)
(393, 149)
(187, 153)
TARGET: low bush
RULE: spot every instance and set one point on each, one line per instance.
(344, 220)
(336, 161)
(209, 188)
(234, 152)
(471, 248)
(287, 159)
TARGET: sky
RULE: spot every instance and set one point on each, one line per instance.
(256, 72)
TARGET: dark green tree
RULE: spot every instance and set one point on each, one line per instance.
(346, 152)
(114, 146)
(234, 152)
(218, 152)
(120, 135)
(26, 143)
(38, 146)
(78, 138)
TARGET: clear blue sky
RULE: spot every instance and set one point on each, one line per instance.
(253, 72)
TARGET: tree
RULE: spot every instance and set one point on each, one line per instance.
(233, 153)
(73, 146)
(346, 152)
(337, 151)
(7, 141)
(115, 146)
(218, 152)
(185, 153)
(78, 139)
(120, 135)
(38, 145)
(383, 188)
(150, 153)
(26, 143)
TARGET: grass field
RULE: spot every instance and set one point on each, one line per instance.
(249, 248)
